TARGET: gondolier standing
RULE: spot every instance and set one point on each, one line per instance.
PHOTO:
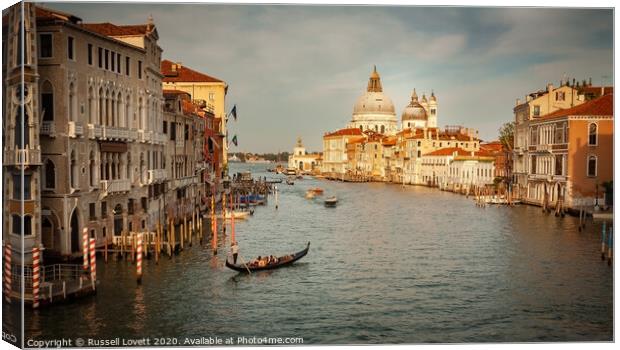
(234, 249)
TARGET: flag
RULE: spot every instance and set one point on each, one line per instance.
(234, 112)
(234, 140)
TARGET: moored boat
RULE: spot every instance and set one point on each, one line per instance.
(310, 194)
(281, 262)
(239, 215)
(316, 190)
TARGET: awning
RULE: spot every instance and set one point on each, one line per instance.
(214, 142)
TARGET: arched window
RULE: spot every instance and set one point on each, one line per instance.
(361, 128)
(74, 170)
(47, 101)
(21, 126)
(72, 102)
(93, 169)
(142, 168)
(92, 116)
(592, 166)
(101, 107)
(129, 167)
(141, 114)
(128, 115)
(120, 110)
(383, 129)
(593, 134)
(50, 174)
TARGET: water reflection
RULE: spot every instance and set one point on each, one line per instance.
(388, 264)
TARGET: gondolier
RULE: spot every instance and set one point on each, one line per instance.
(234, 249)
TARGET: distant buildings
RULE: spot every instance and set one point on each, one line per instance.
(563, 148)
(303, 161)
(375, 147)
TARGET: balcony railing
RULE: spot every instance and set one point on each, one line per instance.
(48, 128)
(133, 135)
(75, 129)
(115, 133)
(22, 157)
(156, 176)
(114, 186)
(94, 131)
(144, 136)
(185, 181)
(159, 139)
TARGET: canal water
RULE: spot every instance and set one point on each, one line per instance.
(389, 264)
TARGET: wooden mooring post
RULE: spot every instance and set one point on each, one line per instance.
(603, 241)
(610, 246)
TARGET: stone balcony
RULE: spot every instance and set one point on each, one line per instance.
(75, 129)
(94, 131)
(159, 138)
(22, 157)
(114, 186)
(48, 128)
(133, 135)
(156, 176)
(184, 181)
(115, 133)
(144, 136)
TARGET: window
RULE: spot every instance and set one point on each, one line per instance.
(139, 69)
(127, 65)
(118, 63)
(186, 132)
(560, 96)
(592, 134)
(165, 127)
(45, 45)
(90, 54)
(559, 164)
(104, 209)
(536, 111)
(91, 211)
(100, 56)
(173, 131)
(47, 101)
(17, 225)
(107, 58)
(144, 203)
(50, 174)
(112, 61)
(559, 133)
(533, 163)
(534, 135)
(20, 142)
(70, 48)
(592, 166)
(433, 111)
(211, 96)
(17, 187)
(130, 206)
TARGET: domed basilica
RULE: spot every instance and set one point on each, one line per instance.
(375, 111)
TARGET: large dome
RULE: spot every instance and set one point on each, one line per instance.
(414, 111)
(373, 103)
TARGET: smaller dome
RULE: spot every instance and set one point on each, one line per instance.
(414, 111)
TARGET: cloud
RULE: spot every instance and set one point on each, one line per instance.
(297, 70)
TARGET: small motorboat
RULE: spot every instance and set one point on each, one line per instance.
(282, 261)
(331, 201)
(317, 191)
(310, 194)
(300, 177)
(290, 182)
(239, 215)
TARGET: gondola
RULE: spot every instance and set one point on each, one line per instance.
(282, 261)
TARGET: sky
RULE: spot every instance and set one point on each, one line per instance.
(297, 70)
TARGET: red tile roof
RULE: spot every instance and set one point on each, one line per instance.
(174, 92)
(449, 151)
(345, 132)
(43, 13)
(597, 90)
(389, 141)
(184, 74)
(109, 29)
(602, 106)
(494, 146)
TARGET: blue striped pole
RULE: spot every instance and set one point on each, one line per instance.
(603, 241)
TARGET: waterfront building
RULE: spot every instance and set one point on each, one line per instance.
(570, 154)
(209, 93)
(470, 169)
(335, 159)
(537, 104)
(302, 160)
(374, 110)
(185, 167)
(100, 138)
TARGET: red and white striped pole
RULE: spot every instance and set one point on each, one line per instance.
(232, 222)
(85, 249)
(93, 263)
(36, 275)
(7, 272)
(139, 258)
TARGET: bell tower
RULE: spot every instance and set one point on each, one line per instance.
(21, 150)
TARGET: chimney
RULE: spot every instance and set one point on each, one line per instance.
(549, 87)
(174, 68)
(518, 102)
(590, 82)
(602, 90)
